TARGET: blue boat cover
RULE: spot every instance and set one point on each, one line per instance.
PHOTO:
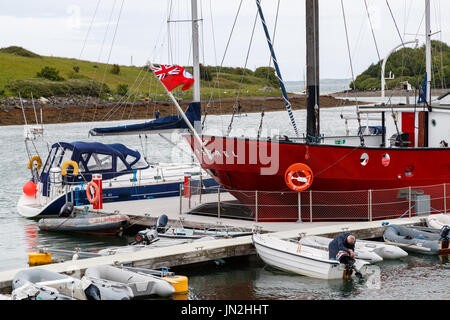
(193, 113)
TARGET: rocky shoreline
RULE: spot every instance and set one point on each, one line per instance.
(87, 109)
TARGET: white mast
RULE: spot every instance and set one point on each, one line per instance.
(195, 51)
(428, 51)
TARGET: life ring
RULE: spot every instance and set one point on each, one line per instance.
(301, 174)
(69, 163)
(96, 196)
(35, 159)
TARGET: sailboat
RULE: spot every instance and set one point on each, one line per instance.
(329, 178)
(119, 173)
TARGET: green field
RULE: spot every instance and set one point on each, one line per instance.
(19, 69)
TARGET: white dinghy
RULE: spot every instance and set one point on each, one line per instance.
(139, 284)
(302, 259)
(371, 251)
(437, 221)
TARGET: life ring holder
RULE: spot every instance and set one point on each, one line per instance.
(299, 172)
(34, 159)
(96, 197)
(69, 163)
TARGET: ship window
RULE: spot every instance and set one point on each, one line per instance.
(385, 160)
(99, 161)
(49, 160)
(58, 156)
(140, 164)
(130, 159)
(121, 166)
(364, 159)
(66, 156)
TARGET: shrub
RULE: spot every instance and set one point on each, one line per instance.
(122, 89)
(49, 73)
(269, 73)
(115, 69)
(76, 69)
(46, 88)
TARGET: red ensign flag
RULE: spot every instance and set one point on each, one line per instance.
(173, 76)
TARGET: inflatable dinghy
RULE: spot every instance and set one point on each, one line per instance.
(360, 252)
(42, 284)
(86, 223)
(437, 221)
(419, 241)
(139, 284)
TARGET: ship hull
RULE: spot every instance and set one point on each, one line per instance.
(350, 183)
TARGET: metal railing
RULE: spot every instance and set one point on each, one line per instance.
(311, 206)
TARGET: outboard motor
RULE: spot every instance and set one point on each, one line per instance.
(161, 223)
(349, 263)
(92, 292)
(146, 236)
(66, 210)
(445, 236)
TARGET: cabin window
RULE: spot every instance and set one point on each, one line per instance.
(49, 160)
(130, 159)
(141, 164)
(99, 161)
(364, 159)
(385, 160)
(121, 166)
(66, 156)
(58, 156)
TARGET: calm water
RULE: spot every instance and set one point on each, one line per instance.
(415, 277)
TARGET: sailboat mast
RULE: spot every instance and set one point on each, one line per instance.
(195, 51)
(312, 70)
(428, 51)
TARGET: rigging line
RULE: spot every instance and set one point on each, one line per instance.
(224, 54)
(263, 104)
(125, 98)
(89, 29)
(100, 54)
(242, 76)
(112, 44)
(371, 28)
(395, 23)
(353, 75)
(277, 69)
(129, 94)
(215, 62)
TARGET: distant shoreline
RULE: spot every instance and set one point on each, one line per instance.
(88, 109)
(388, 93)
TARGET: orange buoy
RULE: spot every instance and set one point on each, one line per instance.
(298, 177)
(29, 188)
(92, 199)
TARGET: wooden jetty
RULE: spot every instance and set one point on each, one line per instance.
(195, 252)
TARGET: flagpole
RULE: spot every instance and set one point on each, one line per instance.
(197, 137)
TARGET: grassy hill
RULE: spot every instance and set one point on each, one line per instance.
(19, 69)
(408, 64)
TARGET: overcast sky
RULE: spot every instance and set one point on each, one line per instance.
(60, 28)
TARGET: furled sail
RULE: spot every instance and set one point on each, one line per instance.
(164, 124)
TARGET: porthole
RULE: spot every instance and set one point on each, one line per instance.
(364, 159)
(385, 160)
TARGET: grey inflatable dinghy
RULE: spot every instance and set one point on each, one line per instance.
(138, 283)
(86, 223)
(415, 240)
(42, 284)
